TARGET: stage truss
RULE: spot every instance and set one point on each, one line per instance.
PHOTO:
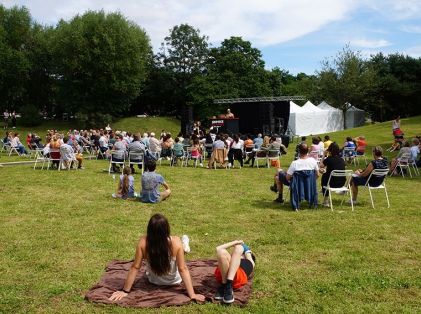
(258, 99)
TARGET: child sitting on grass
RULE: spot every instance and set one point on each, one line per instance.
(125, 187)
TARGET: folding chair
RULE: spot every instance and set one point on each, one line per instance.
(190, 157)
(55, 156)
(348, 154)
(40, 158)
(5, 147)
(381, 175)
(273, 154)
(360, 156)
(137, 158)
(117, 157)
(412, 163)
(219, 156)
(403, 163)
(177, 154)
(346, 188)
(13, 150)
(261, 154)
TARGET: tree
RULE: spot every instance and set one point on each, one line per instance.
(15, 36)
(100, 63)
(340, 80)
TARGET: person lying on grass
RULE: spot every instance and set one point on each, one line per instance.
(125, 187)
(164, 257)
(150, 185)
(234, 269)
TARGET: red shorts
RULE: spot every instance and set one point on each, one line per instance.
(240, 278)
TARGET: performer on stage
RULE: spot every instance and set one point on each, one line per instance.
(229, 114)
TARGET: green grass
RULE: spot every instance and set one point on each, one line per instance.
(131, 124)
(59, 229)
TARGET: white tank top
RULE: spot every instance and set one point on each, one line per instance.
(172, 278)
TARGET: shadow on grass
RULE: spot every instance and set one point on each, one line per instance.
(269, 204)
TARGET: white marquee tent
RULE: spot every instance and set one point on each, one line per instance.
(307, 119)
(335, 117)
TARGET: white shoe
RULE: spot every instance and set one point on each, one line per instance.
(229, 165)
(186, 243)
(201, 165)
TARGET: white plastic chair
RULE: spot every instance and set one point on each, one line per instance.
(346, 188)
(348, 154)
(261, 154)
(403, 163)
(117, 157)
(137, 158)
(55, 155)
(380, 173)
(413, 164)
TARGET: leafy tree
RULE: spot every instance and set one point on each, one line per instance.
(100, 63)
(15, 36)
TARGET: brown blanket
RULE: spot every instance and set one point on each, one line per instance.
(145, 294)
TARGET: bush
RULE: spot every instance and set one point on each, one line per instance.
(93, 120)
(30, 116)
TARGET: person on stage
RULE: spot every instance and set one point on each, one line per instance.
(229, 114)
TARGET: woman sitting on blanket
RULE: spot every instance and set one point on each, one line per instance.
(233, 269)
(164, 256)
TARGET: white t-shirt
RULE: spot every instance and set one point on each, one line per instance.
(302, 164)
(238, 145)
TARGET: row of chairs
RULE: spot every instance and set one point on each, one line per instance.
(54, 156)
(404, 164)
(346, 188)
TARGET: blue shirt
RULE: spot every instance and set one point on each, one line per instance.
(150, 187)
(258, 141)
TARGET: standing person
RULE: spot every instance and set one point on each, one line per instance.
(236, 151)
(234, 269)
(6, 116)
(13, 116)
(150, 185)
(164, 256)
(396, 126)
(125, 187)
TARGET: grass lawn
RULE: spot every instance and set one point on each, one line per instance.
(59, 229)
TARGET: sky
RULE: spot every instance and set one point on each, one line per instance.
(295, 35)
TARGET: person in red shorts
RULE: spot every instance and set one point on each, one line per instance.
(234, 269)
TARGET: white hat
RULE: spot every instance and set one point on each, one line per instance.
(152, 134)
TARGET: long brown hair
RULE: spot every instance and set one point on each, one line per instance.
(158, 245)
(125, 185)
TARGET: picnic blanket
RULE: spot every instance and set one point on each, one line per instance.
(145, 294)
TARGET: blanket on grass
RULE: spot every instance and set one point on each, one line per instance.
(145, 294)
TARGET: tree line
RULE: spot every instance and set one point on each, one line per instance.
(100, 66)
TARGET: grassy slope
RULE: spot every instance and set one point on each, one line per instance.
(61, 229)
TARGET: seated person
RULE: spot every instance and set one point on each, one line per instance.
(196, 151)
(330, 163)
(361, 145)
(405, 150)
(136, 146)
(150, 185)
(233, 269)
(348, 150)
(258, 141)
(15, 142)
(177, 150)
(125, 187)
(67, 153)
(360, 177)
(119, 146)
(327, 142)
(304, 162)
(164, 256)
(415, 149)
(314, 148)
(303, 141)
